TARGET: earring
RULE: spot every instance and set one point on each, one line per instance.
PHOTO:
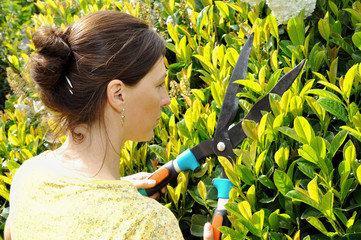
(122, 120)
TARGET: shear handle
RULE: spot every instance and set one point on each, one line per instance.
(169, 171)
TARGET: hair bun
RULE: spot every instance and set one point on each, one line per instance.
(51, 58)
(50, 41)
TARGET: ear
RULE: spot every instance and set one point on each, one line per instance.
(115, 94)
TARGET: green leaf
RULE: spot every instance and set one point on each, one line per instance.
(290, 132)
(296, 30)
(250, 222)
(274, 220)
(245, 209)
(266, 181)
(229, 169)
(309, 154)
(296, 105)
(324, 28)
(12, 166)
(259, 162)
(351, 221)
(358, 174)
(319, 145)
(312, 189)
(197, 224)
(324, 93)
(246, 174)
(26, 154)
(281, 157)
(258, 220)
(254, 86)
(202, 190)
(356, 39)
(343, 44)
(348, 81)
(303, 130)
(183, 130)
(217, 93)
(188, 119)
(201, 19)
(234, 209)
(13, 140)
(302, 197)
(333, 7)
(316, 108)
(282, 181)
(272, 21)
(159, 151)
(251, 195)
(196, 197)
(307, 169)
(174, 107)
(211, 123)
(333, 70)
(353, 132)
(320, 227)
(337, 142)
(173, 33)
(250, 129)
(223, 8)
(354, 13)
(333, 107)
(327, 205)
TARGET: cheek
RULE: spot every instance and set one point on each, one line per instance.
(146, 106)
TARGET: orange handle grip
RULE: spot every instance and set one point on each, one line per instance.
(219, 219)
(160, 175)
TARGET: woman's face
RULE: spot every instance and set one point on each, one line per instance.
(144, 103)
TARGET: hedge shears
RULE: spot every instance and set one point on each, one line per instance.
(227, 136)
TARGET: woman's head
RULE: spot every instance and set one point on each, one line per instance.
(73, 67)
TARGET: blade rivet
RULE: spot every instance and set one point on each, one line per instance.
(221, 146)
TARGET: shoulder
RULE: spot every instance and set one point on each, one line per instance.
(27, 168)
(26, 172)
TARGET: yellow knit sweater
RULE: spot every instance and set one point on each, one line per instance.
(45, 205)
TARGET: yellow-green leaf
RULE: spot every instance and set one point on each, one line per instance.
(252, 85)
(303, 130)
(281, 157)
(358, 174)
(324, 28)
(309, 154)
(250, 129)
(202, 190)
(312, 189)
(348, 81)
(245, 209)
(251, 195)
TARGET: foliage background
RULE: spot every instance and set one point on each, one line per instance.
(297, 175)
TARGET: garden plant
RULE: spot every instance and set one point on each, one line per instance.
(297, 174)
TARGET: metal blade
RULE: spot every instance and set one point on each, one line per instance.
(230, 104)
(236, 133)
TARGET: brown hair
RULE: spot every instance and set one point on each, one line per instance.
(72, 68)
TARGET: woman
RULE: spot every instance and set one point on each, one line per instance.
(103, 77)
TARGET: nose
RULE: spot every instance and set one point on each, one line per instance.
(165, 98)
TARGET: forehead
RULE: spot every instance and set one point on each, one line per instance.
(157, 72)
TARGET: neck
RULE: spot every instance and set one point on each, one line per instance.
(95, 157)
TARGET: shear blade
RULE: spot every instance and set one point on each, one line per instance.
(236, 133)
